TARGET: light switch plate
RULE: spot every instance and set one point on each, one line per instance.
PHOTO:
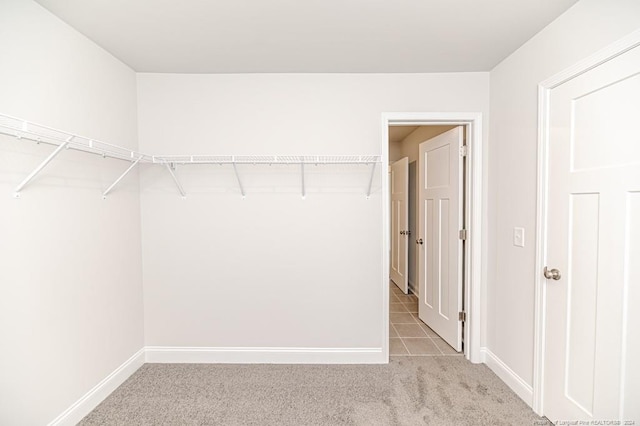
(518, 237)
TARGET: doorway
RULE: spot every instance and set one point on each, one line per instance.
(427, 213)
(471, 198)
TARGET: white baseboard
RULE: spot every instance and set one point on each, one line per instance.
(164, 354)
(174, 354)
(507, 375)
(95, 396)
(207, 355)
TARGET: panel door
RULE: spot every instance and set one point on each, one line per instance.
(400, 223)
(592, 329)
(440, 249)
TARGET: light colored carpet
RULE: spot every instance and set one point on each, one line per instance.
(408, 391)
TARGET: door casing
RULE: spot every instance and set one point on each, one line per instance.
(544, 93)
(474, 268)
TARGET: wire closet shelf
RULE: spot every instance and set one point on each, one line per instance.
(266, 159)
(27, 130)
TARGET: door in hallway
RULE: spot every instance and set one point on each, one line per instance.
(592, 290)
(400, 223)
(439, 248)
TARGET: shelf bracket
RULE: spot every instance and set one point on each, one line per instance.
(235, 169)
(126, 172)
(373, 170)
(304, 191)
(38, 169)
(171, 167)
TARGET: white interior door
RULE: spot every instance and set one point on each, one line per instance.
(439, 221)
(592, 332)
(400, 223)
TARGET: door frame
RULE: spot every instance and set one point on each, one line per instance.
(544, 95)
(475, 265)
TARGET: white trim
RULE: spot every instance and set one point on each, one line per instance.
(541, 254)
(386, 234)
(247, 355)
(474, 285)
(604, 55)
(507, 375)
(99, 392)
(221, 355)
(544, 89)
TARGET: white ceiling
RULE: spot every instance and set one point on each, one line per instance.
(216, 36)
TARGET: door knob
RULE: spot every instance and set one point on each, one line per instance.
(402, 233)
(419, 241)
(552, 274)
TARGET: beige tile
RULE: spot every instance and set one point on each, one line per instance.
(411, 307)
(396, 347)
(406, 298)
(397, 307)
(421, 346)
(444, 346)
(396, 290)
(392, 331)
(393, 299)
(410, 330)
(401, 318)
(427, 330)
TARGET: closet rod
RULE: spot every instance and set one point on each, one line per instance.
(23, 129)
(72, 146)
(267, 159)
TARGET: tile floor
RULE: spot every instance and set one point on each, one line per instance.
(408, 335)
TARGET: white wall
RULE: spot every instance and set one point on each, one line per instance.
(70, 263)
(272, 270)
(585, 28)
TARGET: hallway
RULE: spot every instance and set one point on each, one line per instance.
(408, 335)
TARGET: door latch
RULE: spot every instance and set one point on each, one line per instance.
(552, 274)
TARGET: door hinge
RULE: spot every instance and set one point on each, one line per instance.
(462, 316)
(463, 234)
(464, 151)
